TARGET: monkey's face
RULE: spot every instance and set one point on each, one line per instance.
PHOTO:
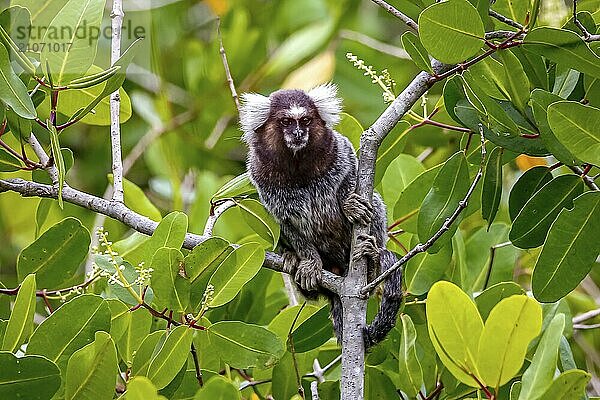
(295, 125)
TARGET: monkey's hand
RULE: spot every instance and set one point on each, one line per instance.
(358, 210)
(309, 272)
(290, 262)
(366, 246)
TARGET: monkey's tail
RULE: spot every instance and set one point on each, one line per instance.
(391, 301)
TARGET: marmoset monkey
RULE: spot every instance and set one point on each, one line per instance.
(305, 174)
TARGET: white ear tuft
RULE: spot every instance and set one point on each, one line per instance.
(327, 102)
(254, 112)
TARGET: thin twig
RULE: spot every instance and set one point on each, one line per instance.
(445, 226)
(586, 316)
(214, 216)
(234, 94)
(491, 263)
(585, 327)
(586, 34)
(314, 390)
(318, 372)
(117, 16)
(197, 365)
(396, 13)
(505, 20)
(293, 351)
(375, 44)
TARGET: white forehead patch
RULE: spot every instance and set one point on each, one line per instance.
(296, 112)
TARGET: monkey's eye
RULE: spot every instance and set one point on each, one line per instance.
(286, 121)
(305, 121)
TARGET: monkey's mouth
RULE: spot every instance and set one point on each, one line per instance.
(296, 143)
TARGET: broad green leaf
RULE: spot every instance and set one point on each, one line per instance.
(408, 205)
(59, 161)
(491, 296)
(530, 182)
(540, 101)
(140, 322)
(145, 352)
(218, 388)
(142, 388)
(534, 66)
(516, 79)
(491, 78)
(531, 226)
(411, 374)
(171, 356)
(71, 62)
(281, 324)
(8, 162)
(15, 23)
(563, 47)
(378, 385)
(570, 385)
(13, 92)
(398, 175)
(313, 332)
(259, 219)
(56, 255)
(19, 126)
(453, 93)
(391, 148)
(171, 290)
(565, 81)
(351, 128)
(538, 376)
(515, 10)
(511, 325)
(491, 193)
(236, 270)
(170, 232)
(577, 127)
(136, 199)
(515, 390)
(238, 186)
(243, 345)
(29, 377)
(451, 31)
(119, 318)
(423, 270)
(449, 188)
(568, 253)
(20, 324)
(416, 51)
(42, 11)
(91, 370)
(455, 328)
(79, 319)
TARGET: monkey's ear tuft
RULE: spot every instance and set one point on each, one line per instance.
(254, 112)
(327, 102)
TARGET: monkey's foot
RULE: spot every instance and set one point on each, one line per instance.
(358, 209)
(290, 262)
(308, 274)
(366, 247)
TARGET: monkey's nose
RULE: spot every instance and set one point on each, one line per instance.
(298, 133)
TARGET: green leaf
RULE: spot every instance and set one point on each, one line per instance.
(530, 182)
(449, 188)
(236, 270)
(515, 10)
(91, 370)
(577, 127)
(416, 51)
(451, 31)
(399, 174)
(455, 327)
(570, 385)
(563, 47)
(145, 352)
(409, 203)
(79, 319)
(171, 290)
(565, 81)
(56, 255)
(119, 318)
(20, 324)
(390, 149)
(351, 128)
(59, 161)
(170, 232)
(259, 219)
(423, 270)
(19, 126)
(93, 79)
(515, 77)
(491, 296)
(71, 62)
(453, 93)
(138, 327)
(136, 200)
(378, 385)
(411, 374)
(14, 21)
(29, 377)
(491, 193)
(243, 345)
(534, 67)
(490, 77)
(511, 325)
(141, 388)
(237, 187)
(570, 250)
(218, 388)
(312, 332)
(13, 91)
(540, 101)
(120, 290)
(538, 376)
(171, 356)
(8, 162)
(531, 226)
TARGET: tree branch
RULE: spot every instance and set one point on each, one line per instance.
(396, 13)
(117, 16)
(234, 94)
(505, 20)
